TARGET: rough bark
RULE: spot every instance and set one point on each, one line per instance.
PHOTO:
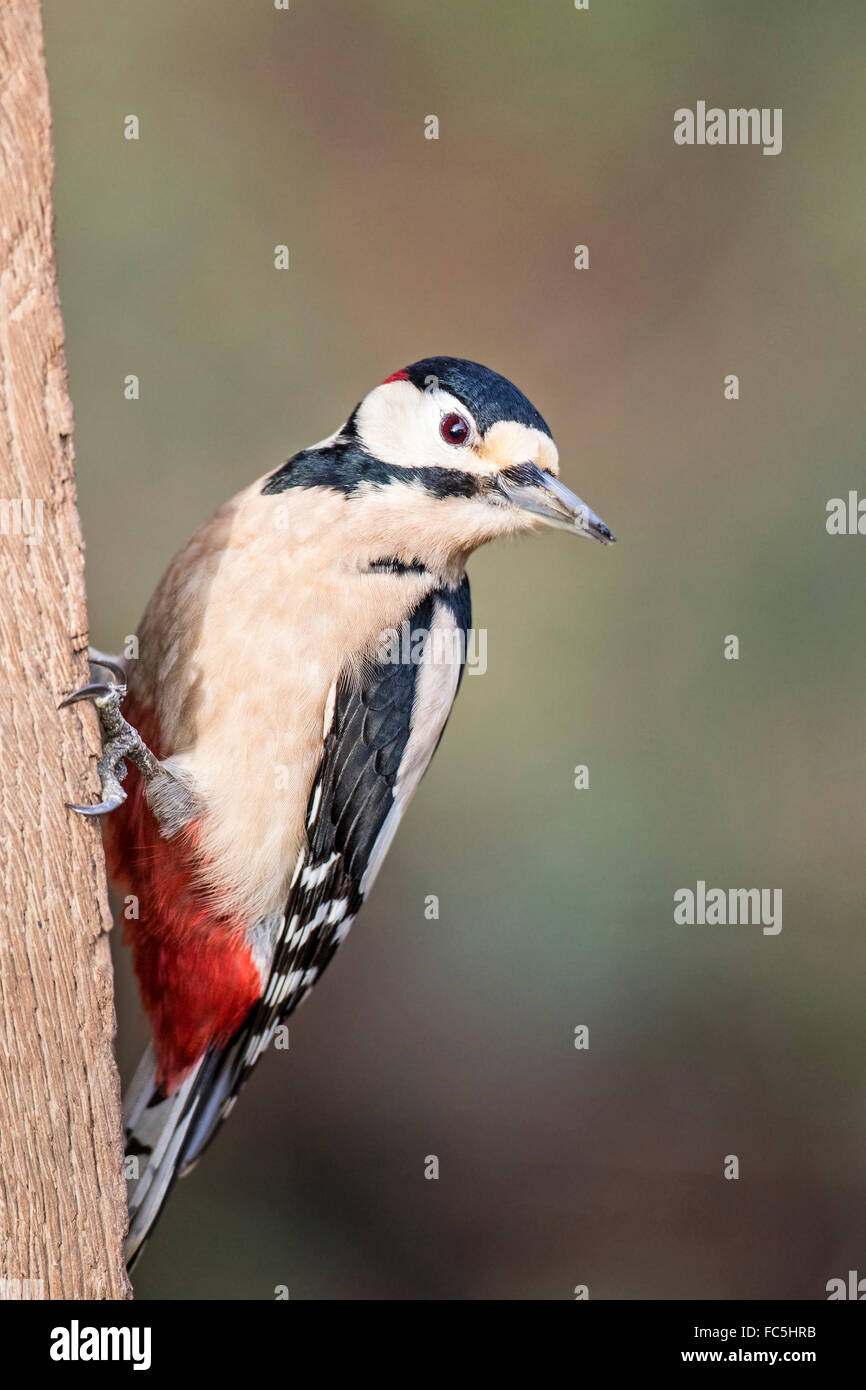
(62, 1197)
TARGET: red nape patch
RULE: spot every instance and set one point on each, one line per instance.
(402, 375)
(198, 979)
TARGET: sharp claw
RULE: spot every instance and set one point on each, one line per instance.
(98, 659)
(119, 739)
(96, 692)
(102, 808)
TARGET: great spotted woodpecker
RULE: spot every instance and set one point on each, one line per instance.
(276, 744)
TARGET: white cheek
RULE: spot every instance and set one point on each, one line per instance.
(399, 424)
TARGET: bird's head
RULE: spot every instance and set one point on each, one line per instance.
(441, 457)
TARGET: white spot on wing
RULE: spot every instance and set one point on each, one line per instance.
(302, 933)
(314, 875)
(314, 809)
(330, 705)
(343, 930)
(298, 866)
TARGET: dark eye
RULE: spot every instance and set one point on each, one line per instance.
(454, 429)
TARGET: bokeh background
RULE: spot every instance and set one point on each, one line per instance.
(455, 1037)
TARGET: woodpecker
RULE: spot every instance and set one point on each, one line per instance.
(275, 740)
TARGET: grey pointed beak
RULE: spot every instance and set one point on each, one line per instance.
(533, 489)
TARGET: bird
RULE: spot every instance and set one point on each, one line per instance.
(276, 733)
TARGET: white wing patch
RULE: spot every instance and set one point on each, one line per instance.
(434, 695)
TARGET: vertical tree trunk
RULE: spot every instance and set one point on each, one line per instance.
(62, 1197)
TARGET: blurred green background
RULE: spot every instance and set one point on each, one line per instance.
(258, 127)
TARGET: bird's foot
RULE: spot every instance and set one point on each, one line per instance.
(119, 739)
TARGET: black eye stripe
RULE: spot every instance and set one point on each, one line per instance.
(345, 468)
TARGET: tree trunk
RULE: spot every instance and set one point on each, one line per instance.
(62, 1196)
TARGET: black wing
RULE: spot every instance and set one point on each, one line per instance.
(375, 753)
